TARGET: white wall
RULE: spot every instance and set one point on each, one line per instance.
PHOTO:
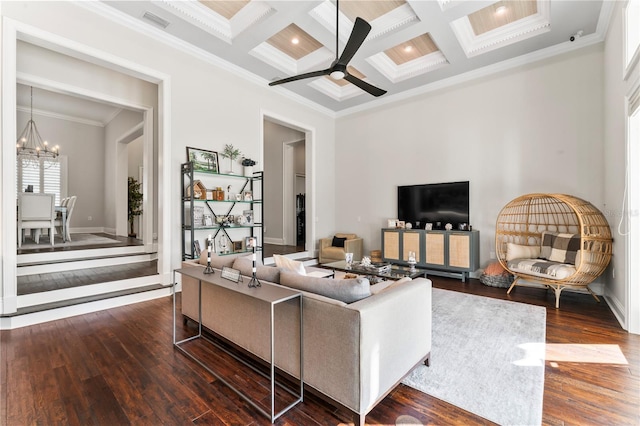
(538, 128)
(616, 88)
(83, 145)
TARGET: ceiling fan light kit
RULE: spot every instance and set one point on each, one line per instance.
(338, 69)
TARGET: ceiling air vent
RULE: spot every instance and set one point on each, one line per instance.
(163, 23)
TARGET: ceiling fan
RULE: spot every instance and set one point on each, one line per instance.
(338, 69)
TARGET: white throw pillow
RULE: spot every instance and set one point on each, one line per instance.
(516, 251)
(289, 264)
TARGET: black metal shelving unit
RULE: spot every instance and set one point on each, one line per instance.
(190, 228)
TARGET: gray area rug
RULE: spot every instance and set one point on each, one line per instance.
(76, 240)
(487, 357)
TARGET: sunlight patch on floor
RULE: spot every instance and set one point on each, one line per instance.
(586, 353)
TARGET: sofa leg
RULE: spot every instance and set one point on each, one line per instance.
(558, 290)
(513, 285)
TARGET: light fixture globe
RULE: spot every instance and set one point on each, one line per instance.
(337, 75)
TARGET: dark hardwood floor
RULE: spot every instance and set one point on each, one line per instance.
(118, 367)
(271, 249)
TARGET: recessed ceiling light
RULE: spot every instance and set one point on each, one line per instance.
(408, 48)
(500, 10)
(295, 40)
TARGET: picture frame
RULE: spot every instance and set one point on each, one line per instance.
(238, 197)
(207, 219)
(248, 196)
(391, 223)
(197, 251)
(203, 160)
(400, 224)
(249, 242)
(248, 215)
(237, 246)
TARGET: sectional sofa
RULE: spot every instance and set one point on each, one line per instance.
(358, 344)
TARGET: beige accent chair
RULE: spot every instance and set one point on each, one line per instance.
(35, 211)
(328, 253)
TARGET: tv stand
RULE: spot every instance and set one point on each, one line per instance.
(442, 253)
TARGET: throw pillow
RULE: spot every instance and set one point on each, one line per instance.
(284, 262)
(517, 251)
(263, 273)
(546, 244)
(347, 291)
(338, 242)
(565, 247)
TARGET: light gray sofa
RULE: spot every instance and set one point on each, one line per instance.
(354, 353)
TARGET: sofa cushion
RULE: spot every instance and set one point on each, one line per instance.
(348, 291)
(284, 262)
(338, 242)
(387, 285)
(546, 244)
(217, 261)
(517, 251)
(244, 264)
(542, 268)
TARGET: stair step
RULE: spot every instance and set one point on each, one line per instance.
(82, 263)
(73, 255)
(85, 299)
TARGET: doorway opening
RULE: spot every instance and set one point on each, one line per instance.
(288, 190)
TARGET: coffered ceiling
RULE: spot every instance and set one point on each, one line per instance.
(413, 45)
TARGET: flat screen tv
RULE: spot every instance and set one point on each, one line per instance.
(438, 203)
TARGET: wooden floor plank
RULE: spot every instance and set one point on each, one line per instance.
(119, 367)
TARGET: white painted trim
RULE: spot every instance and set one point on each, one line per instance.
(66, 255)
(58, 116)
(275, 241)
(8, 176)
(287, 192)
(13, 30)
(310, 166)
(59, 295)
(47, 268)
(19, 321)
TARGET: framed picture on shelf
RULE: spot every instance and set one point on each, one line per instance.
(249, 242)
(196, 248)
(248, 215)
(207, 220)
(203, 160)
(237, 245)
(248, 196)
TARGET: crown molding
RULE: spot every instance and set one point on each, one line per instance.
(157, 34)
(58, 116)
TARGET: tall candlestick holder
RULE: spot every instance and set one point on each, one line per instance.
(254, 282)
(209, 269)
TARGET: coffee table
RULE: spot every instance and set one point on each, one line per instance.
(396, 272)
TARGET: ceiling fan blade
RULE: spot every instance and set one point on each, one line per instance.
(375, 91)
(301, 77)
(360, 32)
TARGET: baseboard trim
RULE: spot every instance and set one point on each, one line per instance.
(617, 308)
(274, 241)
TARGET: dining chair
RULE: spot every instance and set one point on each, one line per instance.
(69, 204)
(35, 211)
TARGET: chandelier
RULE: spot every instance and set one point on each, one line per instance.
(31, 149)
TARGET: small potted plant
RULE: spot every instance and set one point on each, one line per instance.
(231, 153)
(248, 164)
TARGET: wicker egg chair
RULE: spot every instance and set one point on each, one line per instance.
(523, 220)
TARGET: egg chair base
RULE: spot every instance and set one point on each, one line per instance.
(556, 287)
